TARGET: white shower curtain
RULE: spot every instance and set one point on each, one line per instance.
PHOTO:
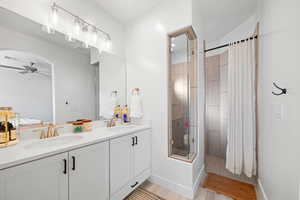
(241, 143)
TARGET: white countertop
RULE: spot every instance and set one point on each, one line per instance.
(23, 152)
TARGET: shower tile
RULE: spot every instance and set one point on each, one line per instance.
(214, 143)
(213, 118)
(213, 68)
(213, 93)
(224, 79)
(224, 105)
(224, 58)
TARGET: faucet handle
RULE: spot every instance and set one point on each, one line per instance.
(42, 133)
(55, 134)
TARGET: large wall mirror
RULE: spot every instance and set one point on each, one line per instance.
(183, 90)
(112, 79)
(46, 78)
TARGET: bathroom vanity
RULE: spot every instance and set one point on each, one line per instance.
(107, 163)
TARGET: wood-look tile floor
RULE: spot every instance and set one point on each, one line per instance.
(216, 165)
(202, 194)
(229, 187)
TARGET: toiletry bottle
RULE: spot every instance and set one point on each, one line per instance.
(118, 112)
(125, 114)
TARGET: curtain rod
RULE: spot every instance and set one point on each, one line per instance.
(226, 45)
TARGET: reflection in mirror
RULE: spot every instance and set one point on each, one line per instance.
(20, 74)
(38, 62)
(112, 78)
(183, 94)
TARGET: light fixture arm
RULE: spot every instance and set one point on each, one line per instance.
(56, 6)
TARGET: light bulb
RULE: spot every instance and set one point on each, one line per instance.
(94, 36)
(86, 35)
(54, 15)
(69, 37)
(85, 44)
(77, 26)
(48, 29)
(100, 46)
(108, 45)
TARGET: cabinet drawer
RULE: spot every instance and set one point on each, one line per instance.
(126, 190)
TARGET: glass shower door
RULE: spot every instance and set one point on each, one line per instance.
(182, 97)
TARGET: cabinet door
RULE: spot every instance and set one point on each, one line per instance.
(121, 163)
(44, 179)
(89, 172)
(142, 152)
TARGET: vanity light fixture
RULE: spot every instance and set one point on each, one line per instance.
(89, 33)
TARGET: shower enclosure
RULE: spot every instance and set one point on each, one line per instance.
(183, 90)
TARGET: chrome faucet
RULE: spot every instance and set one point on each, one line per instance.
(110, 123)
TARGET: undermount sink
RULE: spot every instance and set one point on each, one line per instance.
(121, 128)
(55, 141)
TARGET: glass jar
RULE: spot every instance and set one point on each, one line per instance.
(9, 127)
(87, 125)
(77, 126)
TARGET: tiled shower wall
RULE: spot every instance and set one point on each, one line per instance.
(216, 104)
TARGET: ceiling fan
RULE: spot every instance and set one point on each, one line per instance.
(25, 69)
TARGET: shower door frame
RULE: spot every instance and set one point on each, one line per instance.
(190, 33)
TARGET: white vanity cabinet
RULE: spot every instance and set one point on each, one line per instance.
(130, 163)
(45, 179)
(89, 172)
(77, 175)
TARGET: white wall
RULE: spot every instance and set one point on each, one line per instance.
(20, 92)
(74, 76)
(112, 77)
(244, 30)
(146, 54)
(39, 11)
(279, 150)
(197, 21)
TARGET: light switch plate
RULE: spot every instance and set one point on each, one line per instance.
(278, 111)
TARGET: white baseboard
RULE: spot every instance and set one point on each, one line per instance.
(178, 188)
(188, 192)
(261, 195)
(199, 181)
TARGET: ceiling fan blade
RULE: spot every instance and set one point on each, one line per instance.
(24, 72)
(44, 74)
(10, 67)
